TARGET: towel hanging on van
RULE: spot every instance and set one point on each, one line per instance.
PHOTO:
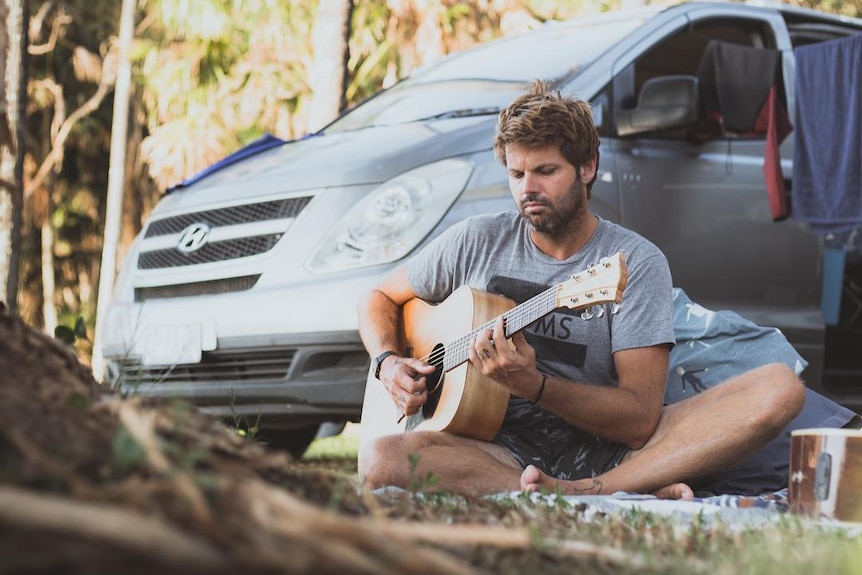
(827, 151)
(735, 81)
(741, 88)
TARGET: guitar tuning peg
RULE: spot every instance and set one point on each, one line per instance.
(600, 311)
(587, 314)
(615, 308)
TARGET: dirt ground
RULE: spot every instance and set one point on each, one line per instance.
(93, 483)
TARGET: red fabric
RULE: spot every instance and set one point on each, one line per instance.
(774, 121)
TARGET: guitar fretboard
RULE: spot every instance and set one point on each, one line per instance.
(514, 320)
(602, 283)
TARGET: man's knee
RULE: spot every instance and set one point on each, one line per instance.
(390, 459)
(781, 392)
(374, 464)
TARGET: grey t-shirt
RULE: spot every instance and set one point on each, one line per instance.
(494, 253)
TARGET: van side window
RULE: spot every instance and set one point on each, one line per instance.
(734, 62)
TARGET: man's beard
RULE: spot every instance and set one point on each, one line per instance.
(560, 218)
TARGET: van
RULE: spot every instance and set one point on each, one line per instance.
(240, 292)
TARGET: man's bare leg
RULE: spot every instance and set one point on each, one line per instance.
(457, 464)
(697, 437)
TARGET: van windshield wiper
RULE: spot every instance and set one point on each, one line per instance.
(462, 113)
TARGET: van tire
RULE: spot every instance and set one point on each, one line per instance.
(294, 440)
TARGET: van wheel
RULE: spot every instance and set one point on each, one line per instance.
(295, 441)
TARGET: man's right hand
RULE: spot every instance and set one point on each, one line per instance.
(404, 379)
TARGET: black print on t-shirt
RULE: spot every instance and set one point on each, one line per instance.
(517, 290)
(551, 336)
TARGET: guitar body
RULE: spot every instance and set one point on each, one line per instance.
(467, 402)
(826, 474)
(462, 401)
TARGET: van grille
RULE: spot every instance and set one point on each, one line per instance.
(215, 366)
(211, 252)
(262, 211)
(212, 287)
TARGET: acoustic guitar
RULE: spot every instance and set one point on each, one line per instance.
(826, 474)
(461, 400)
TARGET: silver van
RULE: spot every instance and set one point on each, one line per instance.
(240, 293)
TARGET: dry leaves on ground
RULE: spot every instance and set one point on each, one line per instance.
(94, 483)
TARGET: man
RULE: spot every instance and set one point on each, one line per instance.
(586, 411)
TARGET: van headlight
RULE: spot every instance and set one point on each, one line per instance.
(392, 219)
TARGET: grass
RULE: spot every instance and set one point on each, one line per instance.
(342, 446)
(661, 544)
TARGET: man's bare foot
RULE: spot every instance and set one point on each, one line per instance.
(533, 480)
(674, 491)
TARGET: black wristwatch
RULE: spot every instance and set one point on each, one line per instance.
(378, 361)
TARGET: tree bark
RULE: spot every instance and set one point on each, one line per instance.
(5, 188)
(116, 179)
(49, 285)
(13, 77)
(328, 75)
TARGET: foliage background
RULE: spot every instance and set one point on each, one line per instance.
(209, 76)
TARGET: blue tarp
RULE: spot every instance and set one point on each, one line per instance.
(257, 146)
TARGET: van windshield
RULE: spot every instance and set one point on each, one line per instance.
(482, 80)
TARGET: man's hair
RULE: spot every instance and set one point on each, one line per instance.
(541, 117)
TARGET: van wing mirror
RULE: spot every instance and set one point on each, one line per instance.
(665, 102)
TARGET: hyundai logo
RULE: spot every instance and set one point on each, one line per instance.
(193, 238)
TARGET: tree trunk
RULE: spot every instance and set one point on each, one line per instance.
(328, 75)
(49, 285)
(13, 78)
(5, 187)
(116, 179)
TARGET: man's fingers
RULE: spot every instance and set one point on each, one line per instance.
(500, 330)
(417, 366)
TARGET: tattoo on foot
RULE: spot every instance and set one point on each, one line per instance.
(594, 489)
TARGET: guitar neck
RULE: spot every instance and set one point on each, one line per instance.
(514, 320)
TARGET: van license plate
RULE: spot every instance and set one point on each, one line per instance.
(171, 346)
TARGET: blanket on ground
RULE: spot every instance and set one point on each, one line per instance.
(734, 511)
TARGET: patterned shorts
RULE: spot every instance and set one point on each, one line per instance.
(534, 436)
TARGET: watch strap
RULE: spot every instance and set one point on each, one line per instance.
(378, 361)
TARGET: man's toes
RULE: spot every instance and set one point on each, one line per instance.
(675, 491)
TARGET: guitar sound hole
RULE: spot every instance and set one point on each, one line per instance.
(434, 382)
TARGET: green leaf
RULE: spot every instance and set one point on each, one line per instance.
(64, 334)
(79, 402)
(126, 452)
(80, 328)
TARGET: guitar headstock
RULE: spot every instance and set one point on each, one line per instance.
(598, 284)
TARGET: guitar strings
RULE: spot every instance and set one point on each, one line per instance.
(514, 320)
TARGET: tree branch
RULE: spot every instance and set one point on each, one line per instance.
(109, 524)
(58, 143)
(56, 27)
